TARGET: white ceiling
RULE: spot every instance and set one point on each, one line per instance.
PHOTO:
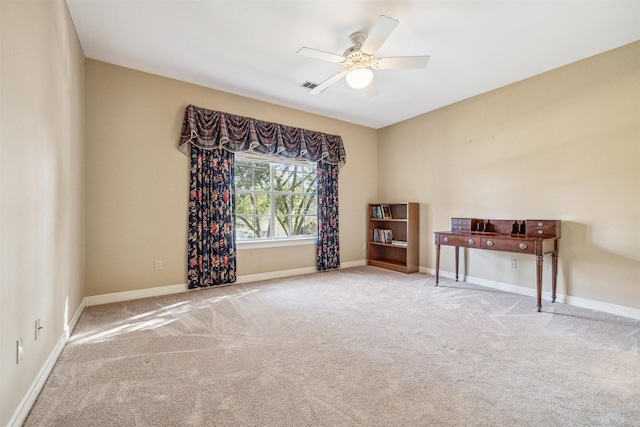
(249, 48)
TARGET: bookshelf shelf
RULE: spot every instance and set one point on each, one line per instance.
(388, 244)
(401, 223)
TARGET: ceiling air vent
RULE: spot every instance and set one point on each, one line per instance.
(309, 85)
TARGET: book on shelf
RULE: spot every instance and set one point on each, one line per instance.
(382, 236)
(399, 242)
(381, 212)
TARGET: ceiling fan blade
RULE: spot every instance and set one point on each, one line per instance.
(319, 54)
(378, 34)
(325, 84)
(401, 62)
(371, 90)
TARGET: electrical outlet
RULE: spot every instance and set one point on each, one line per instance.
(38, 329)
(514, 263)
(157, 265)
(19, 350)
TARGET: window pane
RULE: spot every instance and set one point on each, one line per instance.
(312, 205)
(304, 225)
(283, 204)
(311, 225)
(245, 227)
(302, 179)
(278, 168)
(282, 226)
(303, 204)
(264, 227)
(281, 178)
(245, 204)
(310, 182)
(297, 225)
(297, 178)
(244, 175)
(263, 204)
(262, 177)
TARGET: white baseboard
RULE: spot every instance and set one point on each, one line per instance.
(21, 413)
(139, 293)
(605, 307)
(182, 287)
(248, 278)
(353, 264)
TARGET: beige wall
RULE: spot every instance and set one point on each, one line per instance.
(41, 187)
(562, 145)
(137, 181)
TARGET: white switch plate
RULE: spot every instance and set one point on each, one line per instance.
(19, 350)
(157, 265)
(514, 263)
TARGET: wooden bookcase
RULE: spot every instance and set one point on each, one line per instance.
(405, 226)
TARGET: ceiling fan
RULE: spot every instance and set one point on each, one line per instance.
(360, 58)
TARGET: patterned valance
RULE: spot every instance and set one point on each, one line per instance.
(208, 129)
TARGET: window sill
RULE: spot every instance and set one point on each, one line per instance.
(266, 244)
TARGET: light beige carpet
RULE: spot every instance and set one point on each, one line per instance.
(356, 347)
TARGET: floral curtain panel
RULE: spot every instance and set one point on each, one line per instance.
(328, 251)
(211, 245)
(211, 137)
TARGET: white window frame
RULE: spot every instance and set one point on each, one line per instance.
(273, 241)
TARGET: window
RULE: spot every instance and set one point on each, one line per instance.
(275, 200)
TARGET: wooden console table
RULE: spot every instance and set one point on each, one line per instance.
(535, 237)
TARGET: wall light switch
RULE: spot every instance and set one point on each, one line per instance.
(19, 350)
(514, 263)
(157, 265)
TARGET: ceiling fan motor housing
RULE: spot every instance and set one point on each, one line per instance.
(357, 59)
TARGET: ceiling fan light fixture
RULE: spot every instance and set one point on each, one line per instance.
(359, 78)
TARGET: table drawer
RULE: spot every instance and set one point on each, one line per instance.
(457, 227)
(461, 224)
(462, 241)
(508, 245)
(543, 228)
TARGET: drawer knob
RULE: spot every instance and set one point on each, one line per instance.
(540, 224)
(522, 246)
(540, 231)
(446, 240)
(489, 243)
(471, 241)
